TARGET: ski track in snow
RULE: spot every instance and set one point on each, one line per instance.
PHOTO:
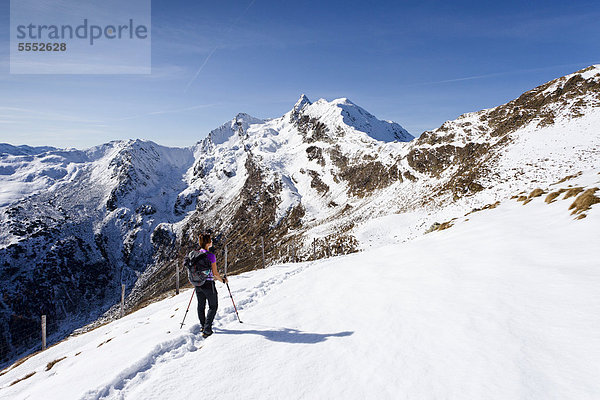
(190, 342)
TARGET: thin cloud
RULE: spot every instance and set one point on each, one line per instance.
(200, 69)
(216, 47)
(171, 111)
(495, 74)
(17, 113)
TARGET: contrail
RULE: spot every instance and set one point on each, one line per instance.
(468, 78)
(216, 47)
(160, 112)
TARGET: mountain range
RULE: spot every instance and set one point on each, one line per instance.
(77, 224)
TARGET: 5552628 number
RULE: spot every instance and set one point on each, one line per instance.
(42, 47)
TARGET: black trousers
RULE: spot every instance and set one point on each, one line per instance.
(207, 291)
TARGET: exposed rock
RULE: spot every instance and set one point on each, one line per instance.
(315, 153)
(317, 183)
(364, 178)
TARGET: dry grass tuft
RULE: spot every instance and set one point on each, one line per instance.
(573, 192)
(433, 227)
(522, 198)
(445, 225)
(29, 375)
(436, 226)
(581, 216)
(490, 206)
(106, 341)
(584, 201)
(552, 196)
(52, 363)
(19, 362)
(566, 178)
(536, 193)
(486, 207)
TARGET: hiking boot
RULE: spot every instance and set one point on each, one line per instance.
(207, 332)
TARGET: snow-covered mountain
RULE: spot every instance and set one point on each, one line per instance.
(23, 150)
(76, 224)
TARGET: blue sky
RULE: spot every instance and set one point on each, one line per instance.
(417, 63)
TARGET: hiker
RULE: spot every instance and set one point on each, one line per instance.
(207, 290)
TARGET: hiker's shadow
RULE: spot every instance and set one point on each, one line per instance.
(285, 335)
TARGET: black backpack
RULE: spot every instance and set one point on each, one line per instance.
(198, 267)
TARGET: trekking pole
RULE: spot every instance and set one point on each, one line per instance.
(188, 308)
(233, 302)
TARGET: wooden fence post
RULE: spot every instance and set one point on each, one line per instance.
(43, 332)
(122, 300)
(262, 246)
(177, 280)
(225, 258)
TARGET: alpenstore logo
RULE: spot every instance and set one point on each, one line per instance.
(80, 37)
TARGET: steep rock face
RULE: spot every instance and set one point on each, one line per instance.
(128, 211)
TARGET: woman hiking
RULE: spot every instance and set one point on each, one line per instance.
(205, 286)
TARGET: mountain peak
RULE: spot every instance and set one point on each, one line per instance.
(343, 100)
(302, 101)
(239, 123)
(343, 112)
(244, 116)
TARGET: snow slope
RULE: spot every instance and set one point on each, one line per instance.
(505, 307)
(23, 150)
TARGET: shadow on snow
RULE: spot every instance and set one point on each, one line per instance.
(285, 335)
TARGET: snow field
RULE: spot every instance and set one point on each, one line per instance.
(502, 305)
